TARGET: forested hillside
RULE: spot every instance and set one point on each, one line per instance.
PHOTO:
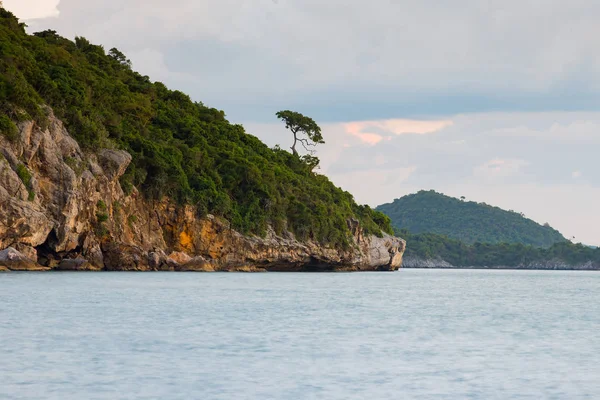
(181, 149)
(431, 246)
(467, 221)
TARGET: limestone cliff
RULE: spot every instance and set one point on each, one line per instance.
(61, 208)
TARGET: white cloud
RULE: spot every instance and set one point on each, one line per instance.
(499, 168)
(32, 9)
(373, 132)
(370, 185)
(369, 61)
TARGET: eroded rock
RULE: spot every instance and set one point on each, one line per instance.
(73, 215)
(13, 260)
(76, 264)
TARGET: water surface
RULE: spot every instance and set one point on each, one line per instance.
(415, 334)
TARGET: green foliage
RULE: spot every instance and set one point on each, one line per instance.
(132, 219)
(470, 222)
(101, 205)
(457, 253)
(119, 57)
(102, 217)
(8, 128)
(301, 126)
(77, 166)
(26, 178)
(181, 149)
(100, 230)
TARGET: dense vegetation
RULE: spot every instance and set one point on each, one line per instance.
(433, 246)
(181, 149)
(467, 221)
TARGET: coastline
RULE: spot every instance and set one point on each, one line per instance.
(550, 265)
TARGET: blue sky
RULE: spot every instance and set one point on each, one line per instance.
(494, 100)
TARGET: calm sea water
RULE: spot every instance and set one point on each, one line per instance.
(414, 334)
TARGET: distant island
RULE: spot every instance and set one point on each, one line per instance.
(445, 232)
(467, 221)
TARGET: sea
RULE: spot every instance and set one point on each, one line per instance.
(411, 334)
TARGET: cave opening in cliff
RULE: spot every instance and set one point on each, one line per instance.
(47, 254)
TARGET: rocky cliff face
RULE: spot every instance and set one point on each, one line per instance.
(61, 208)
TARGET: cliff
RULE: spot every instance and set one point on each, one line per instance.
(64, 209)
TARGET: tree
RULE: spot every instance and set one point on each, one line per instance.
(305, 130)
(120, 57)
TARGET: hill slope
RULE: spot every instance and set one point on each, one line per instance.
(101, 168)
(181, 149)
(470, 222)
(430, 250)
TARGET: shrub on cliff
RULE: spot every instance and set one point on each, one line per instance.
(181, 149)
(8, 128)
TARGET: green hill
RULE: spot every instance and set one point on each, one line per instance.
(467, 221)
(181, 149)
(431, 246)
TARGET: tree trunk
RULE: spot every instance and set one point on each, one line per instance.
(294, 146)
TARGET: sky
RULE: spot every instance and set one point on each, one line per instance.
(497, 101)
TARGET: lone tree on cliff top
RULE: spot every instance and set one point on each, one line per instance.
(305, 130)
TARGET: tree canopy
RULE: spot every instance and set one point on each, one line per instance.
(431, 246)
(181, 149)
(468, 221)
(305, 130)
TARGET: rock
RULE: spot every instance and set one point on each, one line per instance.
(385, 253)
(92, 252)
(158, 261)
(114, 162)
(180, 257)
(28, 251)
(154, 260)
(197, 264)
(121, 257)
(10, 183)
(416, 262)
(246, 268)
(13, 260)
(76, 264)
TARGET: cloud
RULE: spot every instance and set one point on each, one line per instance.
(499, 168)
(32, 9)
(344, 60)
(372, 132)
(577, 130)
(374, 183)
